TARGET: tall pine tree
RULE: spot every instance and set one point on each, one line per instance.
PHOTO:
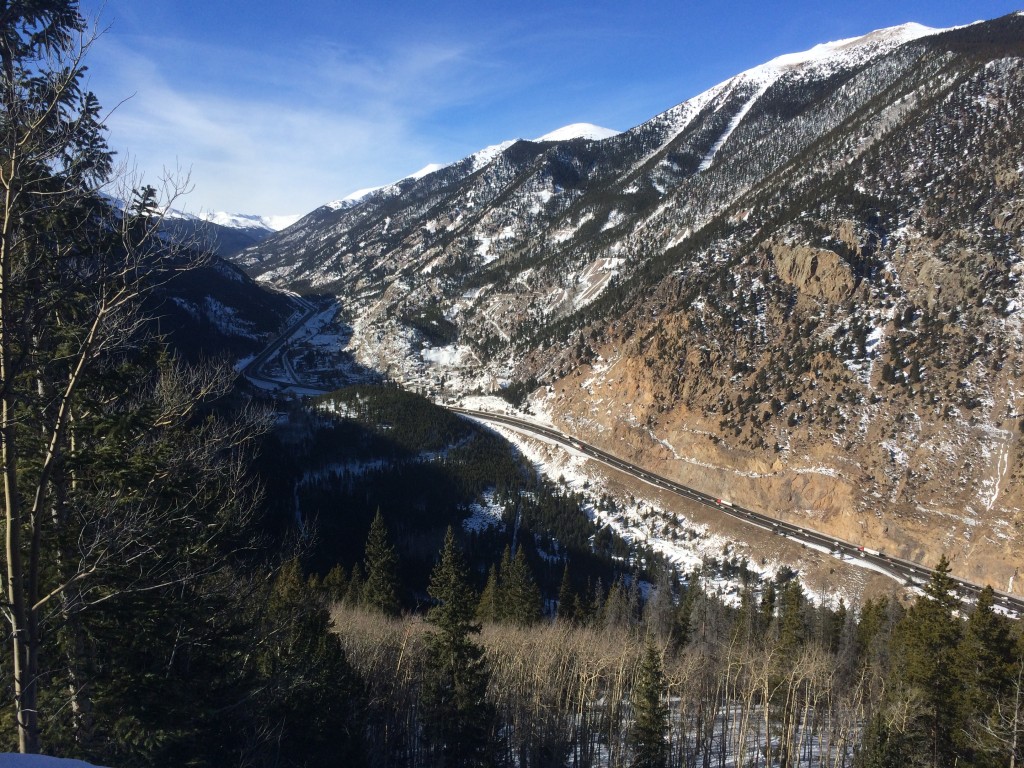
(926, 644)
(568, 605)
(984, 664)
(521, 601)
(649, 729)
(489, 607)
(457, 718)
(307, 708)
(380, 592)
(82, 531)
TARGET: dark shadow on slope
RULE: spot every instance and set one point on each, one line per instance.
(423, 467)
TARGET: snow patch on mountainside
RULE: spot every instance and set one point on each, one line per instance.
(426, 170)
(487, 154)
(579, 131)
(710, 157)
(483, 514)
(845, 52)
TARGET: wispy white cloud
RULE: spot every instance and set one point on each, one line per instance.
(280, 107)
(292, 132)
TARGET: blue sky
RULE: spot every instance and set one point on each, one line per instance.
(278, 107)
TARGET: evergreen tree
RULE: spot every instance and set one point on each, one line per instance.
(1002, 731)
(520, 595)
(117, 481)
(660, 608)
(768, 600)
(791, 618)
(649, 728)
(457, 718)
(616, 610)
(488, 608)
(504, 569)
(354, 595)
(749, 624)
(872, 634)
(682, 631)
(380, 592)
(926, 643)
(634, 600)
(595, 606)
(885, 746)
(567, 603)
(833, 626)
(308, 706)
(335, 585)
(984, 663)
(60, 286)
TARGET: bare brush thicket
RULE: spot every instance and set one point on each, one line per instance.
(563, 695)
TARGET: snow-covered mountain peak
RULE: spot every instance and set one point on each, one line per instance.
(240, 221)
(277, 223)
(846, 51)
(352, 198)
(579, 131)
(250, 221)
(479, 160)
(821, 60)
(426, 170)
(487, 154)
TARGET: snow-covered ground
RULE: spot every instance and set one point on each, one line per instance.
(645, 518)
(483, 515)
(11, 760)
(639, 518)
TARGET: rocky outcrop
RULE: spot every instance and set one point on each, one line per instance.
(817, 272)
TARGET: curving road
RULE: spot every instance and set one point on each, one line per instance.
(254, 369)
(904, 571)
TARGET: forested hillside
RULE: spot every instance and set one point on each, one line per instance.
(147, 621)
(773, 681)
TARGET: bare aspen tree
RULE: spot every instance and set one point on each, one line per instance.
(1003, 729)
(73, 272)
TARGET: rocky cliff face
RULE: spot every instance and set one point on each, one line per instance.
(800, 289)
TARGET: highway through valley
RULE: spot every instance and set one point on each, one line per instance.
(904, 571)
(255, 368)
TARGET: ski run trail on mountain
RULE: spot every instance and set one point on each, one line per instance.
(734, 123)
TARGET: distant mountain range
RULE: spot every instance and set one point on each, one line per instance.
(800, 289)
(224, 233)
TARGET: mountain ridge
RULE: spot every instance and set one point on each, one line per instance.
(798, 289)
